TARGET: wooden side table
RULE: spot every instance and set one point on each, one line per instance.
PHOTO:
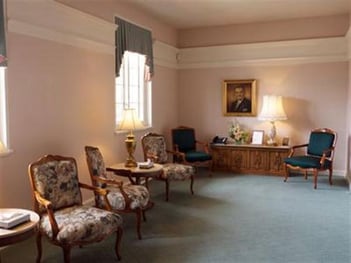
(136, 173)
(20, 232)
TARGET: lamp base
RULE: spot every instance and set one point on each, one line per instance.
(130, 163)
(271, 135)
(130, 145)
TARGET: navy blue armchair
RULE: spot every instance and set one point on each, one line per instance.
(319, 155)
(188, 149)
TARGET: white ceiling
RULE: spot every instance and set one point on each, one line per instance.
(198, 13)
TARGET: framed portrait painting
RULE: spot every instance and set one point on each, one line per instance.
(239, 97)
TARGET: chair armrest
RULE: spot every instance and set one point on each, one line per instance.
(292, 149)
(121, 172)
(98, 191)
(324, 156)
(48, 206)
(178, 157)
(108, 181)
(204, 145)
(178, 154)
(116, 183)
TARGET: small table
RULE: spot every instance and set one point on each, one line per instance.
(135, 172)
(21, 231)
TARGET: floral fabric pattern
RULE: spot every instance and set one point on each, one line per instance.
(175, 171)
(138, 194)
(97, 163)
(156, 146)
(81, 224)
(57, 181)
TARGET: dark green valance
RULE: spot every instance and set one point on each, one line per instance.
(130, 37)
(3, 55)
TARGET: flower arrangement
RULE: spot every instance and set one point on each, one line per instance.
(237, 133)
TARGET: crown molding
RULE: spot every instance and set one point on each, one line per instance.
(50, 20)
(165, 55)
(267, 53)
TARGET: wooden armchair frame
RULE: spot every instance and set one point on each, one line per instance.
(39, 200)
(201, 146)
(155, 158)
(327, 155)
(139, 212)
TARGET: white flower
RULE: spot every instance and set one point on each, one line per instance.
(239, 135)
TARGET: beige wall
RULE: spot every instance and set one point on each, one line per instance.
(61, 98)
(314, 95)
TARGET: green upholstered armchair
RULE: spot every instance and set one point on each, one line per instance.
(318, 157)
(189, 150)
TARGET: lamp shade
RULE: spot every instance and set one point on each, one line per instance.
(130, 121)
(272, 109)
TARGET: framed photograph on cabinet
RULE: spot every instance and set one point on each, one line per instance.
(257, 137)
(239, 97)
(285, 141)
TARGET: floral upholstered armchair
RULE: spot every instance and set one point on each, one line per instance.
(154, 148)
(124, 198)
(58, 201)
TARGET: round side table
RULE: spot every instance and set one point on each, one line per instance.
(21, 231)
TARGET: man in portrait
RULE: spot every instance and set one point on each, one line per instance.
(240, 103)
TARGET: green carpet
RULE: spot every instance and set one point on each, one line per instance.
(231, 218)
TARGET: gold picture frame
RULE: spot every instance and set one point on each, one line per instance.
(239, 97)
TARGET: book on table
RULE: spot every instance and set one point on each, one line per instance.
(11, 219)
(145, 165)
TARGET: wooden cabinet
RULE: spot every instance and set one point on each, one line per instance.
(249, 159)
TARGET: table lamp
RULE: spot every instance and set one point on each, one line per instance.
(130, 122)
(272, 110)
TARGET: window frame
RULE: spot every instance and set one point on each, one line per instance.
(4, 113)
(144, 108)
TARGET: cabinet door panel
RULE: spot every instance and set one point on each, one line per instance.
(221, 159)
(259, 160)
(239, 160)
(276, 161)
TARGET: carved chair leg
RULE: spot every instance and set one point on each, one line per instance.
(139, 212)
(118, 242)
(67, 254)
(330, 176)
(167, 189)
(144, 215)
(192, 184)
(39, 246)
(315, 175)
(286, 172)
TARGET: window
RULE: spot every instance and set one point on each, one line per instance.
(132, 89)
(3, 114)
